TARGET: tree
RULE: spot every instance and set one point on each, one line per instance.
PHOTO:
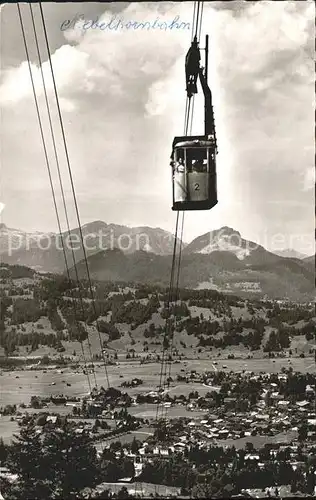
(25, 459)
(41, 419)
(302, 432)
(55, 463)
(102, 494)
(201, 490)
(3, 452)
(249, 447)
(123, 493)
(35, 402)
(70, 461)
(134, 446)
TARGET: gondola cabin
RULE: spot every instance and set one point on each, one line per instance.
(193, 163)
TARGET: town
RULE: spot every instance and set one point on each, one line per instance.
(248, 432)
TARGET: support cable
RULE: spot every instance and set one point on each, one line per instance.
(62, 191)
(74, 193)
(165, 339)
(168, 325)
(49, 171)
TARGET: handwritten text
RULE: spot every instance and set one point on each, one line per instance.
(117, 23)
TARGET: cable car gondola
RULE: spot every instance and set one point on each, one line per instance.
(194, 173)
(193, 158)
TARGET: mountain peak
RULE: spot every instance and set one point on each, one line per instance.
(94, 224)
(225, 239)
(225, 231)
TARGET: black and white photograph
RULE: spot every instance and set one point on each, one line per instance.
(157, 250)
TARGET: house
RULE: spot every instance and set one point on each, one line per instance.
(164, 453)
(52, 419)
(303, 404)
(179, 446)
(230, 402)
(251, 457)
(73, 403)
(262, 416)
(6, 474)
(309, 390)
(311, 435)
(295, 465)
(275, 396)
(223, 433)
(283, 404)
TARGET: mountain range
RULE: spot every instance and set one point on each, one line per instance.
(45, 251)
(219, 259)
(291, 253)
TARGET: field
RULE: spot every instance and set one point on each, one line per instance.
(8, 428)
(142, 489)
(18, 386)
(259, 441)
(141, 435)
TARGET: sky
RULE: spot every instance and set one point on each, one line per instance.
(122, 97)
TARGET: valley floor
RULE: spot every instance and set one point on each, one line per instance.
(19, 385)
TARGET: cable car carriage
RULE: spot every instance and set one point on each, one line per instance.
(193, 158)
(193, 163)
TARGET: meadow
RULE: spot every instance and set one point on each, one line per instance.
(18, 386)
(143, 489)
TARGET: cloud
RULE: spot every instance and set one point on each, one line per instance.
(123, 98)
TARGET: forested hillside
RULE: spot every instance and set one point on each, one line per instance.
(127, 318)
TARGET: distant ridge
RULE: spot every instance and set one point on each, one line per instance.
(44, 250)
(290, 253)
(221, 259)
